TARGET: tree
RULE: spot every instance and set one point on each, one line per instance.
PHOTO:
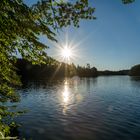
(20, 28)
(135, 70)
(88, 66)
(127, 1)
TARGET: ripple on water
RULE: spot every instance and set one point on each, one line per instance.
(105, 108)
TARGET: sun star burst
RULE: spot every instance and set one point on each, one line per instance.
(66, 52)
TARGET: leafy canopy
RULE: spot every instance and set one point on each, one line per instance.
(20, 28)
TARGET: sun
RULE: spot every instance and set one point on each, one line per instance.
(66, 52)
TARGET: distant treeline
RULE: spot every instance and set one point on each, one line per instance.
(57, 69)
(107, 72)
(51, 70)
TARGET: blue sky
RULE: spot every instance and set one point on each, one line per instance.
(110, 42)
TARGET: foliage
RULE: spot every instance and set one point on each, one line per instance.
(127, 1)
(20, 28)
(53, 70)
(59, 70)
(108, 72)
(135, 70)
(87, 71)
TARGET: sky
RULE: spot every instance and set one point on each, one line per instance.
(112, 41)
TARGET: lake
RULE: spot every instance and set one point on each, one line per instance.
(102, 108)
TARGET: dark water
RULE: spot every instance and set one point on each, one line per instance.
(103, 108)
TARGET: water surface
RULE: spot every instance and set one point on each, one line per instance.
(103, 108)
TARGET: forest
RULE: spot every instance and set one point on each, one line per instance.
(56, 69)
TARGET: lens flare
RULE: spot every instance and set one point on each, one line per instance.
(66, 52)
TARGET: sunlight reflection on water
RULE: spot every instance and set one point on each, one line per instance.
(102, 108)
(70, 97)
(65, 94)
(65, 98)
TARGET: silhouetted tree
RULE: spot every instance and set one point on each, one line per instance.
(88, 66)
(127, 1)
(20, 28)
(135, 70)
(29, 71)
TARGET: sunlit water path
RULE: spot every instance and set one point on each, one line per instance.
(103, 108)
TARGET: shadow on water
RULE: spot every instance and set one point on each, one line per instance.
(135, 78)
(35, 84)
(89, 83)
(135, 81)
(40, 83)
